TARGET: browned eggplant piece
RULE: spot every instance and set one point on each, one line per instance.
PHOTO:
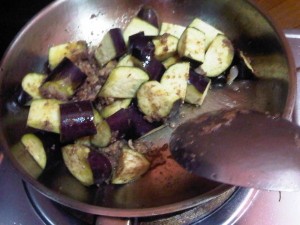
(63, 81)
(112, 46)
(76, 120)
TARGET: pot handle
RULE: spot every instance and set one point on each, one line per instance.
(104, 220)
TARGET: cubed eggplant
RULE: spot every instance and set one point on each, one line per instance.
(154, 68)
(141, 47)
(165, 46)
(70, 50)
(154, 100)
(197, 88)
(44, 115)
(218, 57)
(103, 136)
(31, 84)
(123, 82)
(137, 25)
(191, 44)
(100, 166)
(148, 14)
(76, 120)
(35, 148)
(114, 107)
(63, 81)
(111, 47)
(76, 160)
(175, 80)
(131, 166)
(171, 28)
(209, 31)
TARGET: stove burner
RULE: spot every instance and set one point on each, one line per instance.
(224, 211)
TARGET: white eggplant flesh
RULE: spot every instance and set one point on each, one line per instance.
(192, 44)
(35, 148)
(108, 110)
(165, 46)
(75, 157)
(137, 25)
(131, 166)
(218, 57)
(171, 61)
(174, 80)
(69, 50)
(154, 100)
(209, 31)
(44, 114)
(123, 82)
(103, 136)
(126, 60)
(171, 28)
(194, 96)
(31, 84)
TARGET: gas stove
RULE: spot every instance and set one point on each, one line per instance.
(21, 204)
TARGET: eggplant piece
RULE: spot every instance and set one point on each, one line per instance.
(31, 84)
(76, 160)
(123, 82)
(218, 57)
(76, 120)
(137, 25)
(63, 81)
(172, 29)
(130, 123)
(131, 166)
(35, 148)
(171, 61)
(148, 14)
(103, 136)
(192, 44)
(25, 160)
(209, 31)
(154, 100)
(154, 68)
(127, 60)
(111, 47)
(44, 114)
(219, 81)
(109, 110)
(100, 166)
(175, 80)
(198, 86)
(70, 50)
(141, 47)
(165, 46)
(243, 64)
(122, 123)
(19, 98)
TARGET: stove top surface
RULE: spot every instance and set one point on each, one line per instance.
(254, 207)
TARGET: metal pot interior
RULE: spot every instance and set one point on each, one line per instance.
(167, 188)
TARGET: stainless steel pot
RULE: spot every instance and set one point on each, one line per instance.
(166, 188)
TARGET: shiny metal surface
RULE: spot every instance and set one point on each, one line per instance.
(72, 20)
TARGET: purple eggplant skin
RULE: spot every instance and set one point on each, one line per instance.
(118, 41)
(76, 120)
(52, 146)
(141, 47)
(199, 81)
(22, 97)
(101, 167)
(154, 68)
(63, 81)
(244, 72)
(219, 81)
(148, 14)
(130, 123)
